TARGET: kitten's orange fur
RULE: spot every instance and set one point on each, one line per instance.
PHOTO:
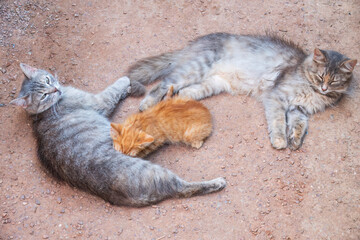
(172, 120)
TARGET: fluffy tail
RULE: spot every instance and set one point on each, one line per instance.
(148, 70)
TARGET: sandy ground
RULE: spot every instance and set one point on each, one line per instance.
(313, 193)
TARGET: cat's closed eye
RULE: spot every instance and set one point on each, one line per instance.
(47, 80)
(319, 77)
(44, 96)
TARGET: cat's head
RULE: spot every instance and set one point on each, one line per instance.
(39, 91)
(330, 71)
(129, 140)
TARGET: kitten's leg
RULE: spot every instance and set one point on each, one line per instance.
(276, 120)
(106, 101)
(297, 122)
(196, 134)
(211, 86)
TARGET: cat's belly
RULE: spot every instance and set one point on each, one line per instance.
(243, 81)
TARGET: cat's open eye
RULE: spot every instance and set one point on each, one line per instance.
(47, 80)
(43, 97)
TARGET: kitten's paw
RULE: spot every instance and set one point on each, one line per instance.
(146, 103)
(197, 145)
(278, 142)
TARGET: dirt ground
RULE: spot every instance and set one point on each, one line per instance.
(313, 193)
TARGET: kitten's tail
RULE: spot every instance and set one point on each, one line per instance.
(148, 70)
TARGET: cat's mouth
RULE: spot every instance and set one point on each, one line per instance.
(319, 90)
(323, 92)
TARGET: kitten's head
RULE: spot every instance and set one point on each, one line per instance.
(129, 140)
(39, 90)
(330, 71)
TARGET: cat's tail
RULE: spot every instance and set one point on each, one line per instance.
(150, 69)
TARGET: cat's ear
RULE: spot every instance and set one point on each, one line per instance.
(24, 102)
(28, 70)
(319, 56)
(348, 66)
(146, 140)
(114, 130)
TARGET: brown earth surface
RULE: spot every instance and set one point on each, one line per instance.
(313, 193)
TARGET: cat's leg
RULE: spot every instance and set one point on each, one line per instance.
(192, 72)
(154, 96)
(140, 183)
(276, 119)
(297, 124)
(106, 101)
(211, 86)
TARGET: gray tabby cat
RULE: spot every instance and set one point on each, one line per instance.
(74, 144)
(290, 84)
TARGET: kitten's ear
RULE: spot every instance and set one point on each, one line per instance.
(348, 66)
(319, 56)
(146, 140)
(170, 92)
(24, 102)
(28, 70)
(114, 132)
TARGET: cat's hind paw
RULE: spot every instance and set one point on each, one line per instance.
(146, 103)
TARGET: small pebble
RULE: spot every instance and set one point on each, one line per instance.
(37, 202)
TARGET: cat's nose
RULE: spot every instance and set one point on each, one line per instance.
(54, 90)
(324, 88)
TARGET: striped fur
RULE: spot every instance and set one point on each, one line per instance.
(290, 83)
(74, 144)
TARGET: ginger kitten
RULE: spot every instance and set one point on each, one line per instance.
(173, 120)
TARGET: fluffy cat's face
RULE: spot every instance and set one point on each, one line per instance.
(39, 91)
(330, 71)
(129, 140)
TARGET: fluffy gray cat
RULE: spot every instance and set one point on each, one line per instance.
(74, 144)
(290, 83)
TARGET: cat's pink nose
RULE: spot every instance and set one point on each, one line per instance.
(324, 88)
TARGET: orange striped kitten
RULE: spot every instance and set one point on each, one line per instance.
(172, 120)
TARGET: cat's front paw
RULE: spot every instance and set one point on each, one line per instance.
(295, 140)
(278, 142)
(146, 103)
(123, 81)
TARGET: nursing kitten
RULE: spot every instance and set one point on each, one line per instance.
(173, 120)
(291, 84)
(72, 131)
